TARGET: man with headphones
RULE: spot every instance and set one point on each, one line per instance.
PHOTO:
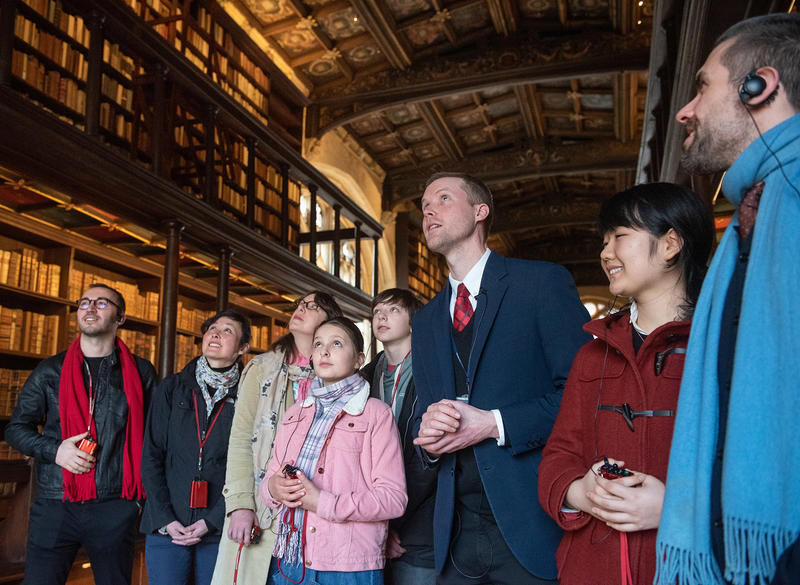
(731, 512)
(80, 415)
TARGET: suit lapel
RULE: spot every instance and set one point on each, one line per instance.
(493, 289)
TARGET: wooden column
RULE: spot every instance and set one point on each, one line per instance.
(8, 12)
(251, 181)
(357, 281)
(337, 239)
(375, 284)
(209, 184)
(284, 205)
(159, 118)
(94, 73)
(223, 278)
(169, 301)
(312, 226)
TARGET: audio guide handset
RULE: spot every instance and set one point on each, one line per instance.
(613, 471)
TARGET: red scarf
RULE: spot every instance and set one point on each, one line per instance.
(73, 408)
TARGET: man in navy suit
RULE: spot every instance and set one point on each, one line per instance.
(491, 354)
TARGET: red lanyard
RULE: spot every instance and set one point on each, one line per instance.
(624, 560)
(201, 440)
(397, 379)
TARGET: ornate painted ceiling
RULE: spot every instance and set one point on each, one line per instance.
(543, 99)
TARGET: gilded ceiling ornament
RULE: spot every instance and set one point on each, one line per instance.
(441, 16)
(331, 55)
(574, 95)
(575, 117)
(306, 23)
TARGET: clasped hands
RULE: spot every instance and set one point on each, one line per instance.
(450, 425)
(627, 504)
(292, 493)
(187, 535)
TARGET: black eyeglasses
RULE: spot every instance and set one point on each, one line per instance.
(309, 305)
(100, 302)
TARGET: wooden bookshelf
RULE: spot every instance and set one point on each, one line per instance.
(426, 270)
(40, 279)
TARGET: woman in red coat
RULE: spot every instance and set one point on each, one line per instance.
(619, 401)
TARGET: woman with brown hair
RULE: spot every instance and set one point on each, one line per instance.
(270, 384)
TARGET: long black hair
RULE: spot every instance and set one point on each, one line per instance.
(657, 208)
(326, 302)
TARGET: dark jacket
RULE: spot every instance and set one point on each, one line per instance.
(38, 405)
(170, 454)
(527, 330)
(607, 372)
(414, 526)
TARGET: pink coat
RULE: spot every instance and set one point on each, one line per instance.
(361, 477)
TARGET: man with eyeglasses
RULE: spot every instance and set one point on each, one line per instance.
(90, 403)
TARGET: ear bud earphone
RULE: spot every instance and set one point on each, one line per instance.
(752, 87)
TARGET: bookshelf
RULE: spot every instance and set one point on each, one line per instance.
(207, 39)
(122, 74)
(426, 270)
(43, 269)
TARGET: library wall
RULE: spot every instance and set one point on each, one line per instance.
(351, 170)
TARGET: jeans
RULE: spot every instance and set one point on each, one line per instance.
(295, 573)
(402, 573)
(172, 564)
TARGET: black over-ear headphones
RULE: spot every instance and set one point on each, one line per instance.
(752, 86)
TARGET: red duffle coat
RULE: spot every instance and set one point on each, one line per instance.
(606, 371)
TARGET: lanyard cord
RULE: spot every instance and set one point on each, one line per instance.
(624, 560)
(290, 512)
(91, 398)
(201, 440)
(396, 379)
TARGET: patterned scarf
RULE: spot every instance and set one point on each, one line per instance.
(329, 402)
(220, 382)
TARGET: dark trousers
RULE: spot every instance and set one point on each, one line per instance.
(106, 530)
(478, 552)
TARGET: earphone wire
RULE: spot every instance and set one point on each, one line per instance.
(602, 377)
(769, 148)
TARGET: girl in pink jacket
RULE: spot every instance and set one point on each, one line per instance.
(336, 474)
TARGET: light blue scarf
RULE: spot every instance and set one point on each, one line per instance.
(761, 469)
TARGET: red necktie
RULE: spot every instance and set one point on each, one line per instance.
(748, 209)
(462, 312)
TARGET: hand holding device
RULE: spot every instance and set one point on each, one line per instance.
(612, 470)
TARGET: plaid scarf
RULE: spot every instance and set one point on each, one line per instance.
(222, 382)
(329, 402)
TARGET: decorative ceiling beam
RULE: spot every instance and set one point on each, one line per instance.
(585, 251)
(504, 16)
(520, 60)
(426, 16)
(558, 212)
(433, 114)
(279, 26)
(524, 163)
(381, 24)
(525, 102)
